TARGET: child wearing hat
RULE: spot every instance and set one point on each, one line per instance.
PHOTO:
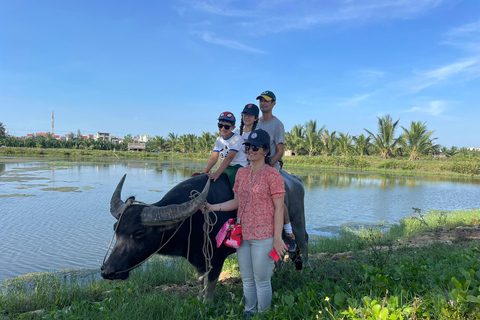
(249, 120)
(229, 148)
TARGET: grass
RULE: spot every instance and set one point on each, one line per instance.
(383, 280)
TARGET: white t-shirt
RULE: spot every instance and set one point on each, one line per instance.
(234, 143)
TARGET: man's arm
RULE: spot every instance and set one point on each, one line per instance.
(278, 155)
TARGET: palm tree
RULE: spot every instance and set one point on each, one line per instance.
(416, 140)
(158, 143)
(206, 141)
(294, 140)
(183, 142)
(191, 140)
(2, 130)
(345, 144)
(328, 142)
(362, 144)
(450, 152)
(172, 141)
(312, 137)
(385, 141)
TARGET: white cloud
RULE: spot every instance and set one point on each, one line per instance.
(220, 8)
(447, 71)
(433, 108)
(211, 38)
(352, 102)
(465, 30)
(468, 69)
(284, 15)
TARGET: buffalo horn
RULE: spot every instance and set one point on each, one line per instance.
(158, 216)
(116, 204)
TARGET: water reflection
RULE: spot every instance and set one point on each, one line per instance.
(326, 179)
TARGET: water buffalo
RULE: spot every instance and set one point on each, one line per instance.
(143, 230)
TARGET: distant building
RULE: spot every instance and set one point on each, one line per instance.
(136, 146)
(105, 136)
(145, 138)
(473, 149)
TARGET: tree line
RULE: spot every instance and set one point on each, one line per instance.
(413, 141)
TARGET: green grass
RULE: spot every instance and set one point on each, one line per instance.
(389, 282)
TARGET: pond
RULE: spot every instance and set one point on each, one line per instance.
(55, 215)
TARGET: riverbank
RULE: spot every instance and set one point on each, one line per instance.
(356, 275)
(456, 166)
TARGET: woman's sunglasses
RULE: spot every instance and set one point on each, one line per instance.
(226, 126)
(254, 148)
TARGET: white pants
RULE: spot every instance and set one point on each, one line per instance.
(256, 268)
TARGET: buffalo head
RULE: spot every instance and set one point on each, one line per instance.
(140, 230)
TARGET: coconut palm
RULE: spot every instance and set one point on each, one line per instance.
(362, 144)
(206, 142)
(183, 142)
(450, 152)
(312, 137)
(416, 140)
(172, 141)
(2, 130)
(385, 141)
(327, 140)
(191, 142)
(345, 144)
(295, 138)
(159, 143)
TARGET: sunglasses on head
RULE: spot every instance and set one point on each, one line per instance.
(226, 126)
(254, 148)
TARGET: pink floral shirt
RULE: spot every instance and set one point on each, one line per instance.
(255, 203)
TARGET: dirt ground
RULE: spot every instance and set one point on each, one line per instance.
(444, 235)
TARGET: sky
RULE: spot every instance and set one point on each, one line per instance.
(157, 67)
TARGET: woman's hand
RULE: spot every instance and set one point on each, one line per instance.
(205, 206)
(280, 247)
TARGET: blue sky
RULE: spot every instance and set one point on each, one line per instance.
(155, 67)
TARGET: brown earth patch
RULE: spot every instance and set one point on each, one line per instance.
(443, 235)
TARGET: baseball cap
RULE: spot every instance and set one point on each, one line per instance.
(258, 137)
(267, 95)
(226, 115)
(251, 109)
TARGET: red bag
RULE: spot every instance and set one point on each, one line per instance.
(231, 234)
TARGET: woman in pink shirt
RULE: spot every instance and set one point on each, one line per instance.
(259, 191)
